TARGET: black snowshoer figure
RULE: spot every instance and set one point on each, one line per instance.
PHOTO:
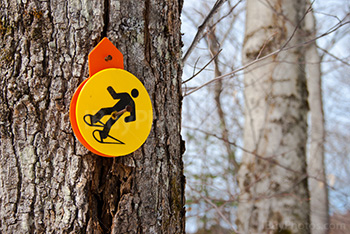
(125, 104)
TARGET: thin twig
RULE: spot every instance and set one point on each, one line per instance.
(267, 159)
(201, 28)
(226, 15)
(202, 68)
(299, 23)
(333, 56)
(195, 66)
(216, 208)
(333, 29)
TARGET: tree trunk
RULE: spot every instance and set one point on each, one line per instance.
(214, 49)
(316, 168)
(272, 177)
(49, 182)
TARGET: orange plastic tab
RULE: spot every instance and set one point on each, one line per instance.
(105, 55)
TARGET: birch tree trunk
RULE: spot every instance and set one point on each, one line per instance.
(316, 167)
(49, 182)
(272, 177)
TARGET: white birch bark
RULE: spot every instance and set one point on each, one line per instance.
(316, 168)
(272, 178)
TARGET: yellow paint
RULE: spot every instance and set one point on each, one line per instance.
(94, 96)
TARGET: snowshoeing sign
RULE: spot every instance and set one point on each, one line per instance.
(110, 112)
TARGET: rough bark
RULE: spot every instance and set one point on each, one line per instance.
(316, 168)
(272, 177)
(49, 182)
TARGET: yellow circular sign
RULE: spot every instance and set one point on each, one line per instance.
(114, 112)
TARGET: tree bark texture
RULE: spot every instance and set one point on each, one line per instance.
(272, 177)
(316, 168)
(49, 182)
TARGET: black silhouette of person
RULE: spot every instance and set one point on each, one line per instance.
(125, 102)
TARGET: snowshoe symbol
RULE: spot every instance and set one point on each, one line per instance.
(125, 104)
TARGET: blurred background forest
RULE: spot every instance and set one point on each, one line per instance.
(213, 112)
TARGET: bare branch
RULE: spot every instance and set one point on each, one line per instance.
(213, 48)
(201, 28)
(230, 74)
(333, 56)
(216, 208)
(213, 58)
(269, 159)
